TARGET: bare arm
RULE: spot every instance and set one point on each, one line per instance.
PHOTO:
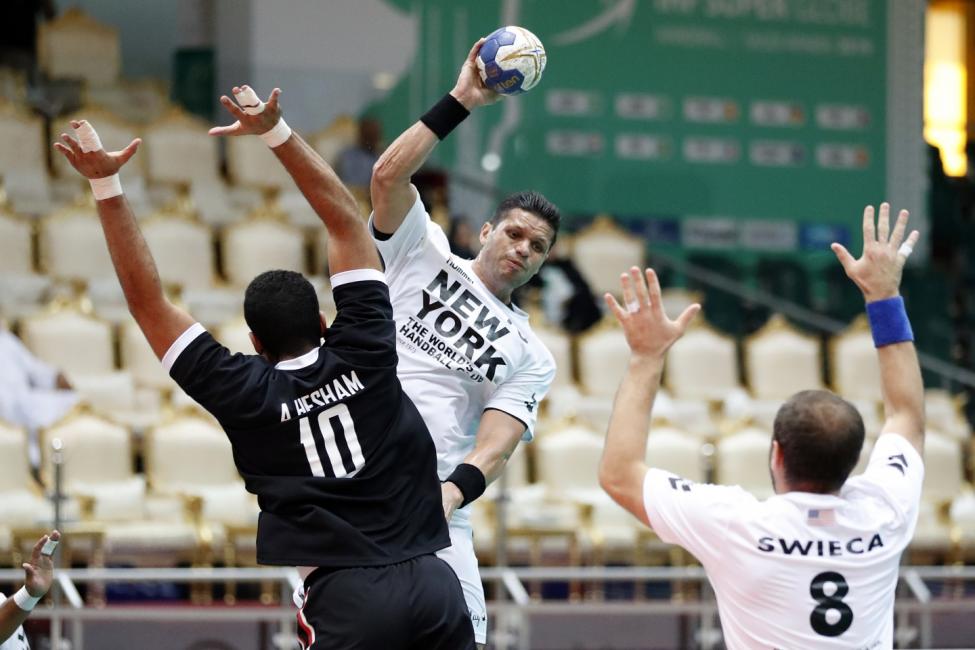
(878, 275)
(351, 245)
(160, 321)
(649, 334)
(498, 435)
(392, 193)
(39, 574)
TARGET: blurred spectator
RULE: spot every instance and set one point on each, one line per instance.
(566, 298)
(461, 237)
(32, 393)
(355, 163)
(18, 34)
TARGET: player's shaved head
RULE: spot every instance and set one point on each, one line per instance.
(821, 436)
(281, 309)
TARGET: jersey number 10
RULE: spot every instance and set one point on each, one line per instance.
(328, 426)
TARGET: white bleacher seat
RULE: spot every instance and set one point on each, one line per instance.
(261, 243)
(742, 458)
(29, 190)
(182, 248)
(703, 364)
(780, 360)
(854, 364)
(215, 305)
(568, 462)
(603, 357)
(22, 294)
(294, 204)
(179, 150)
(63, 235)
(139, 359)
(22, 504)
(675, 450)
(76, 46)
(251, 163)
(560, 345)
(602, 251)
(16, 244)
(235, 336)
(69, 338)
(24, 141)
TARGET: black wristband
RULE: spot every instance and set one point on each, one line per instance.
(469, 480)
(444, 116)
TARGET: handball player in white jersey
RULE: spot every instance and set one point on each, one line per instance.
(467, 356)
(816, 565)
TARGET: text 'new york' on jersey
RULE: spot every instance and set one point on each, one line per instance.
(341, 461)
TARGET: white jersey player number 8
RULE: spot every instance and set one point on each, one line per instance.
(324, 420)
(820, 620)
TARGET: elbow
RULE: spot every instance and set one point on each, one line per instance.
(383, 175)
(609, 480)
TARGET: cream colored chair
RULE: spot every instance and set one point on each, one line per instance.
(74, 45)
(215, 305)
(703, 364)
(944, 412)
(139, 359)
(114, 132)
(22, 294)
(568, 462)
(604, 250)
(108, 299)
(261, 243)
(742, 459)
(212, 203)
(294, 204)
(68, 337)
(179, 150)
(98, 469)
(16, 244)
(24, 141)
(182, 248)
(61, 238)
(22, 503)
(944, 480)
(250, 162)
(29, 191)
(138, 101)
(854, 364)
(603, 356)
(560, 345)
(675, 450)
(780, 360)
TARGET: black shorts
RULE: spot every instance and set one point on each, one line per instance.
(417, 604)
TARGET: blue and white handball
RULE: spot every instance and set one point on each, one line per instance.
(511, 60)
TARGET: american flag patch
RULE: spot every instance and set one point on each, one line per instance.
(821, 517)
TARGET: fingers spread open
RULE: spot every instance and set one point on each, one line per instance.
(843, 255)
(64, 150)
(687, 316)
(71, 143)
(614, 307)
(898, 235)
(230, 129)
(272, 100)
(232, 107)
(653, 285)
(640, 286)
(129, 151)
(883, 223)
(629, 293)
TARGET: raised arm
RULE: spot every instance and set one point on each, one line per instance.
(649, 334)
(350, 245)
(38, 576)
(161, 321)
(392, 193)
(878, 275)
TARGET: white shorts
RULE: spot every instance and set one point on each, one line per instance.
(461, 558)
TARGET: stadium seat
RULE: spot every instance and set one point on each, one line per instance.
(22, 503)
(29, 190)
(602, 251)
(63, 234)
(139, 359)
(263, 242)
(24, 141)
(742, 459)
(329, 142)
(944, 412)
(674, 450)
(853, 362)
(22, 294)
(602, 359)
(235, 336)
(179, 150)
(251, 163)
(182, 248)
(16, 244)
(703, 364)
(568, 462)
(68, 337)
(76, 46)
(780, 360)
(294, 204)
(560, 345)
(943, 482)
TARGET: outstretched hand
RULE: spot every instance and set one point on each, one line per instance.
(649, 332)
(39, 572)
(248, 124)
(94, 164)
(470, 89)
(878, 271)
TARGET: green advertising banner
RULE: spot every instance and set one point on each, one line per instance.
(722, 124)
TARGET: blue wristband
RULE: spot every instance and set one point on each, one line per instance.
(888, 322)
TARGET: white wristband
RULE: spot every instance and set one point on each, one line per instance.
(278, 135)
(24, 600)
(105, 188)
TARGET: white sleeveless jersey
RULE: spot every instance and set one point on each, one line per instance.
(799, 570)
(461, 350)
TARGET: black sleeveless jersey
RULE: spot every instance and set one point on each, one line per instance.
(342, 463)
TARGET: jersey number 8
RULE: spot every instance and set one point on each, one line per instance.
(329, 425)
(817, 589)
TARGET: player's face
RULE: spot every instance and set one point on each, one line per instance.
(515, 248)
